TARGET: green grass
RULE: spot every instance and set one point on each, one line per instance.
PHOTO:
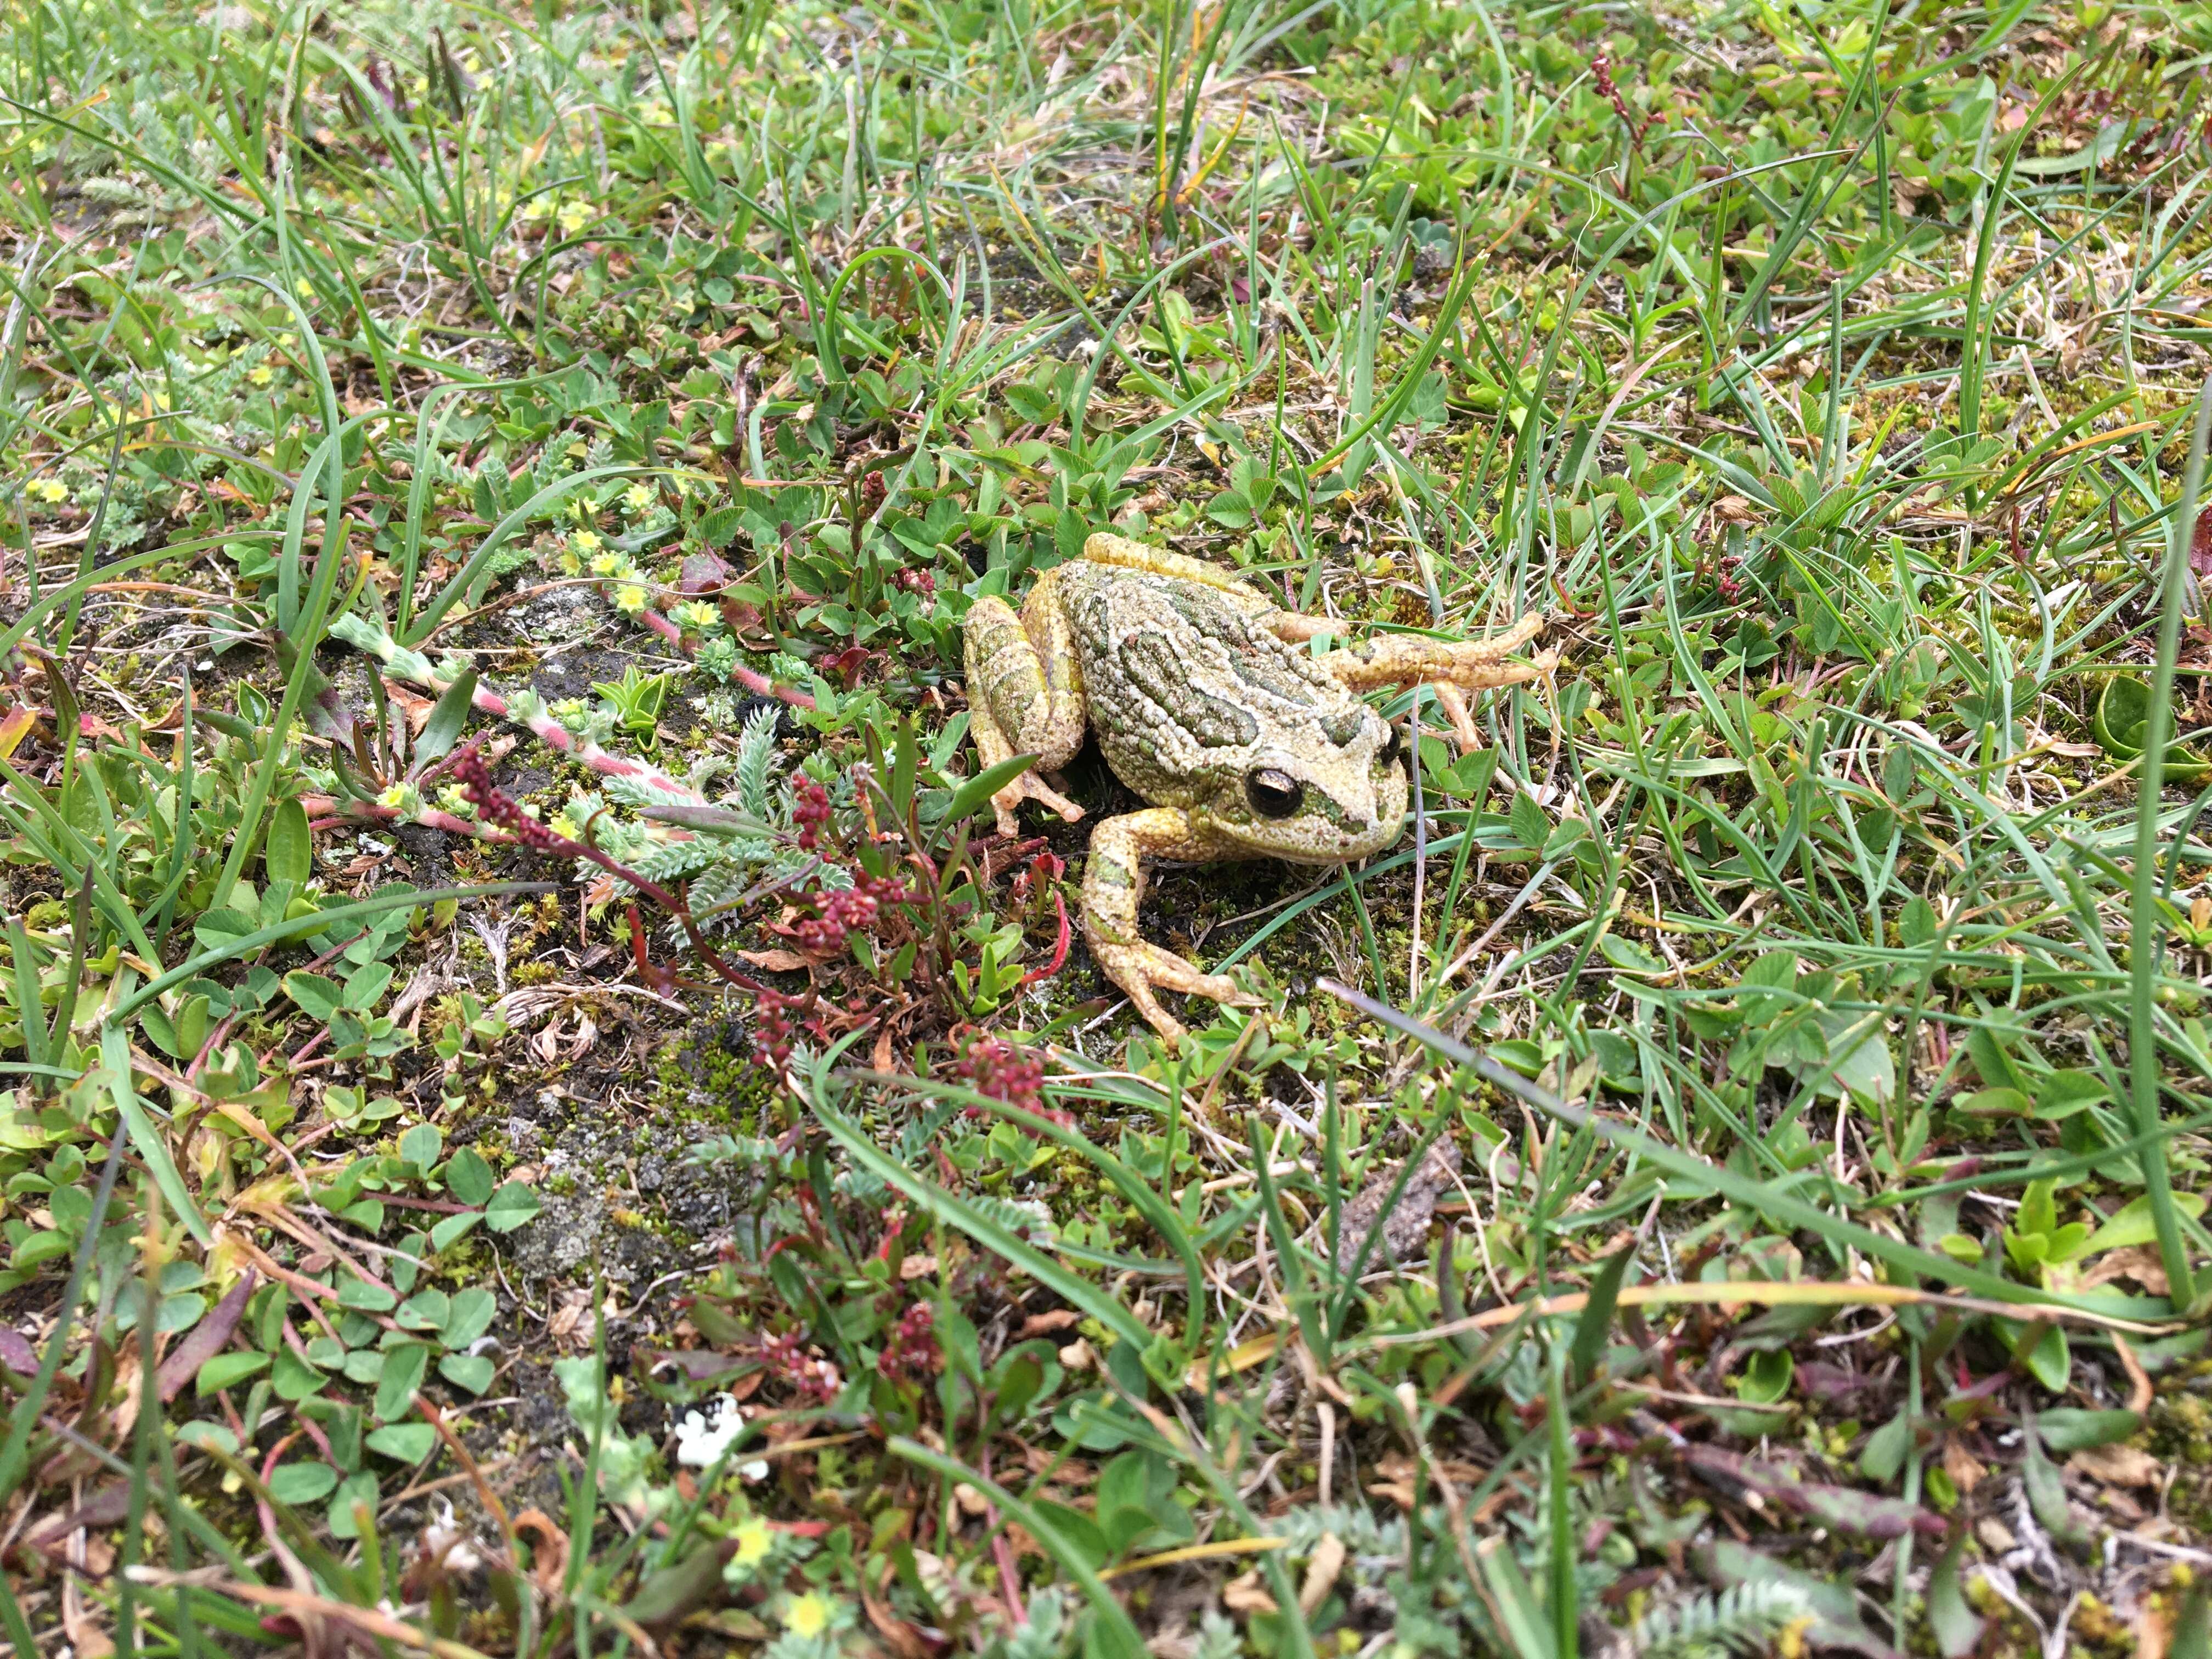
(488, 501)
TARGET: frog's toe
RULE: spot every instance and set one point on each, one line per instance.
(1141, 970)
(1027, 786)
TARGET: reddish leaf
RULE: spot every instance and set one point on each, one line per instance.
(1059, 950)
(15, 1352)
(1773, 1486)
(103, 1508)
(206, 1339)
(704, 573)
(2200, 546)
(697, 1364)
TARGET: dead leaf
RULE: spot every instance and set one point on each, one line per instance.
(2139, 1262)
(2117, 1465)
(1243, 1595)
(2140, 1392)
(569, 1315)
(418, 709)
(1964, 1468)
(549, 1554)
(1052, 1319)
(103, 1508)
(15, 726)
(1321, 1569)
(918, 1266)
(2154, 1629)
(773, 962)
(905, 1640)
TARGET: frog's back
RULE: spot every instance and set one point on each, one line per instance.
(1186, 683)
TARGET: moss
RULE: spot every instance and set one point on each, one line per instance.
(2181, 1429)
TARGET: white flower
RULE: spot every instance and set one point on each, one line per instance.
(702, 1437)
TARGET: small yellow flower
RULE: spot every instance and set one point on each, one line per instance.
(53, 491)
(754, 1540)
(586, 541)
(638, 497)
(629, 598)
(306, 288)
(574, 217)
(606, 563)
(261, 374)
(565, 826)
(569, 564)
(578, 508)
(808, 1615)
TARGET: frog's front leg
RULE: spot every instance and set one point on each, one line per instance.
(1024, 695)
(1114, 882)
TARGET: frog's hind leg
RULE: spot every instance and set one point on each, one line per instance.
(1025, 697)
(1452, 668)
(1106, 548)
(1414, 659)
(1114, 882)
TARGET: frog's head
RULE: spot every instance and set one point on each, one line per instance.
(1326, 797)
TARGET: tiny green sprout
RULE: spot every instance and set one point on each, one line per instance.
(635, 700)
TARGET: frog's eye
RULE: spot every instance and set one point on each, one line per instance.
(1274, 794)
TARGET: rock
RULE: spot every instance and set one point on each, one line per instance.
(564, 1233)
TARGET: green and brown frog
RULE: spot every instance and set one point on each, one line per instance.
(1208, 701)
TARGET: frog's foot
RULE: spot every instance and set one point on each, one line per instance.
(1390, 659)
(1024, 696)
(1029, 786)
(1142, 968)
(1453, 702)
(1114, 882)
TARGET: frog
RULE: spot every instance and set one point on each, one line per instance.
(1247, 733)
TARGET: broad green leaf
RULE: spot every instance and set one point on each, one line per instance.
(403, 1374)
(471, 1372)
(2072, 1428)
(369, 1299)
(316, 997)
(421, 1145)
(301, 1483)
(226, 1369)
(971, 795)
(510, 1207)
(289, 853)
(409, 1443)
(2132, 1224)
(468, 1177)
(469, 1316)
(450, 1230)
(447, 721)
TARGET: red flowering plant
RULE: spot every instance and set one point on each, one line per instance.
(893, 924)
